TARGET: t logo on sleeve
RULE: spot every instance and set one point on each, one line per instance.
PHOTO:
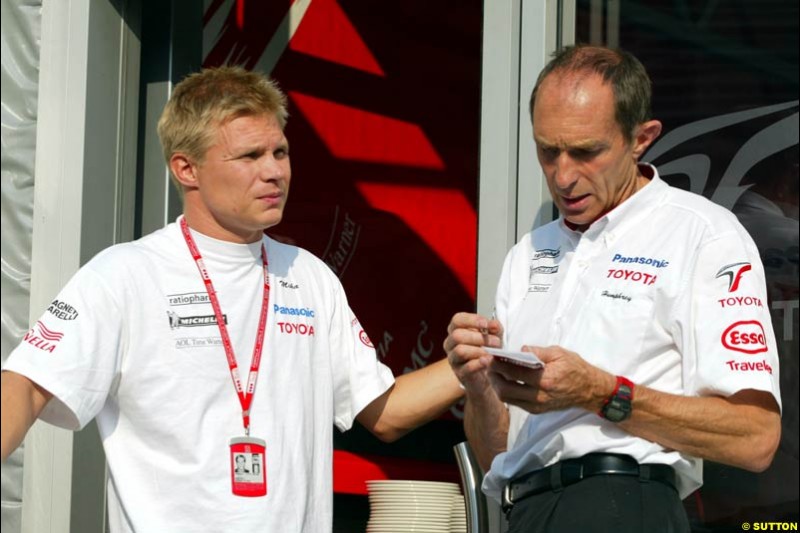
(746, 336)
(734, 272)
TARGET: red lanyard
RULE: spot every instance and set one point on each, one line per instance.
(245, 397)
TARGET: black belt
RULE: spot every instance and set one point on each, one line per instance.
(570, 471)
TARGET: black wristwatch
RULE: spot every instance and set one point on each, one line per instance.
(618, 406)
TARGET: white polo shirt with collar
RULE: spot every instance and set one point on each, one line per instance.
(667, 290)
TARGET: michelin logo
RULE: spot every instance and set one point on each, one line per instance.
(177, 321)
(294, 311)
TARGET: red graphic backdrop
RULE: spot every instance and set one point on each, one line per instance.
(384, 132)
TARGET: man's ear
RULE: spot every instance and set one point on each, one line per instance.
(646, 133)
(184, 170)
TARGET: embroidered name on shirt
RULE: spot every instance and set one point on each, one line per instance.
(632, 275)
(616, 296)
(288, 285)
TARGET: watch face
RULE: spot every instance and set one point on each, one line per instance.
(615, 414)
(619, 407)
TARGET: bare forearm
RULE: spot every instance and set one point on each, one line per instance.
(741, 431)
(486, 425)
(485, 416)
(21, 401)
(418, 398)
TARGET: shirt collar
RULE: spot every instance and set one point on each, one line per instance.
(628, 212)
(215, 248)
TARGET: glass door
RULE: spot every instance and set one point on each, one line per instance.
(725, 85)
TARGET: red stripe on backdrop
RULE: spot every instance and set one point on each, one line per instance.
(358, 135)
(326, 33)
(439, 217)
(240, 14)
(351, 471)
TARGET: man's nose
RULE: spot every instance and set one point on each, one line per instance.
(274, 169)
(566, 172)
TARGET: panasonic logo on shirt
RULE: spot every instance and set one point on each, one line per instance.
(294, 311)
(658, 263)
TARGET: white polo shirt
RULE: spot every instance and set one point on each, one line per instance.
(667, 289)
(132, 341)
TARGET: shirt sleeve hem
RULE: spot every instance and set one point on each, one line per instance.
(365, 396)
(62, 410)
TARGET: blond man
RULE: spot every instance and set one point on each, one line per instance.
(207, 341)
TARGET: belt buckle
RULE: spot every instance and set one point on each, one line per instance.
(506, 503)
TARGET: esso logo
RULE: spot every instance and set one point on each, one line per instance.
(746, 336)
(362, 335)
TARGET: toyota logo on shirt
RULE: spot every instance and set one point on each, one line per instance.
(746, 336)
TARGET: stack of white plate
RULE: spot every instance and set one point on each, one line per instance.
(458, 515)
(415, 506)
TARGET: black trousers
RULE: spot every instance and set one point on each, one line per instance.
(606, 503)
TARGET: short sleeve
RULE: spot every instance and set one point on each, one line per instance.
(73, 351)
(517, 416)
(502, 296)
(728, 340)
(359, 378)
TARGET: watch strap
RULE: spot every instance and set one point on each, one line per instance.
(622, 396)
